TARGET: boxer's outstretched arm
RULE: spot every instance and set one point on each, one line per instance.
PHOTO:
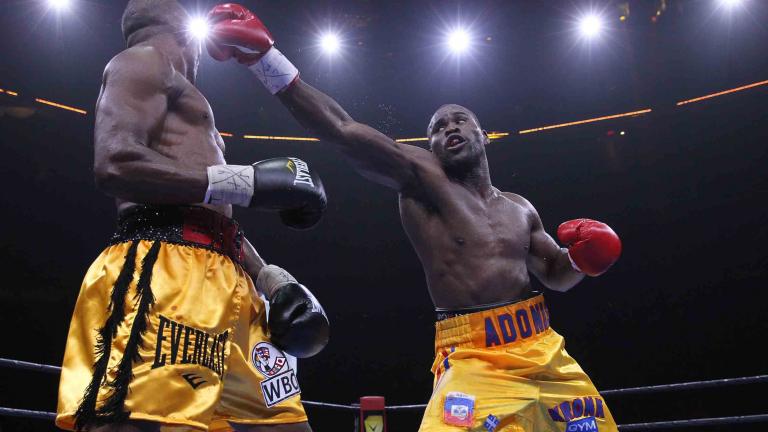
(136, 89)
(373, 154)
(238, 33)
(548, 261)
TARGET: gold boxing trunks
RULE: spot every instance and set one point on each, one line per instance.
(168, 328)
(505, 369)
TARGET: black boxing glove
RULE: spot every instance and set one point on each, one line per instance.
(303, 218)
(297, 322)
(285, 184)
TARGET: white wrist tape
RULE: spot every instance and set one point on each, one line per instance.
(274, 70)
(230, 184)
(272, 277)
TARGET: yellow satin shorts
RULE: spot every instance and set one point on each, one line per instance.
(204, 358)
(505, 369)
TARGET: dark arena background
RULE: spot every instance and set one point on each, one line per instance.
(682, 178)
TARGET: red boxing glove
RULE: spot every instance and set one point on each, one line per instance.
(593, 247)
(237, 32)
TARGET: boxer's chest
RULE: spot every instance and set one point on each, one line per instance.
(500, 228)
(189, 133)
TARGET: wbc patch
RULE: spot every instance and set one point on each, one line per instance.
(459, 409)
(280, 381)
(587, 424)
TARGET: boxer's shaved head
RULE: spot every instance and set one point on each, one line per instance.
(144, 19)
(450, 107)
(457, 139)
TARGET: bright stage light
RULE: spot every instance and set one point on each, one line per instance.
(198, 27)
(60, 4)
(590, 26)
(330, 43)
(731, 3)
(459, 41)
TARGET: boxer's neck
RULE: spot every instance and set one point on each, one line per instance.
(478, 178)
(168, 44)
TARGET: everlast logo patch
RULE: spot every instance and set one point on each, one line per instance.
(506, 328)
(194, 380)
(189, 346)
(302, 173)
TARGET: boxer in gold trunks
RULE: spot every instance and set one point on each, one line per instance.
(170, 332)
(499, 366)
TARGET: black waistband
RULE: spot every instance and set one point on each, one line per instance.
(187, 225)
(445, 313)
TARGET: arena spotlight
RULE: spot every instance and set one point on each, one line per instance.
(60, 5)
(458, 40)
(590, 25)
(730, 4)
(330, 43)
(198, 27)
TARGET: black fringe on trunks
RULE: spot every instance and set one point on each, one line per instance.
(113, 409)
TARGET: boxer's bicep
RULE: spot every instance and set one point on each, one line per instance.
(381, 159)
(543, 250)
(372, 154)
(546, 260)
(133, 103)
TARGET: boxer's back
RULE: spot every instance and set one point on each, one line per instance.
(183, 126)
(473, 248)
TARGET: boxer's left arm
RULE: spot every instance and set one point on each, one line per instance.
(297, 322)
(252, 261)
(546, 260)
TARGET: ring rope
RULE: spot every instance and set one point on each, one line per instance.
(691, 385)
(688, 385)
(714, 421)
(13, 412)
(36, 367)
(331, 405)
(18, 364)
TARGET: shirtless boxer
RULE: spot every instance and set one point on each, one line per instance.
(169, 329)
(499, 365)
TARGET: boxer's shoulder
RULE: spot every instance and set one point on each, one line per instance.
(429, 177)
(142, 63)
(517, 199)
(524, 205)
(421, 159)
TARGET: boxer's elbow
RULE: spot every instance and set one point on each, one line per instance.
(560, 285)
(106, 177)
(561, 278)
(113, 172)
(555, 274)
(339, 131)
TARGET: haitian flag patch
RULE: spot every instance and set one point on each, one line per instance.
(459, 409)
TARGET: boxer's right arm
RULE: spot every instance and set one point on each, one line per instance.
(237, 33)
(136, 89)
(372, 154)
